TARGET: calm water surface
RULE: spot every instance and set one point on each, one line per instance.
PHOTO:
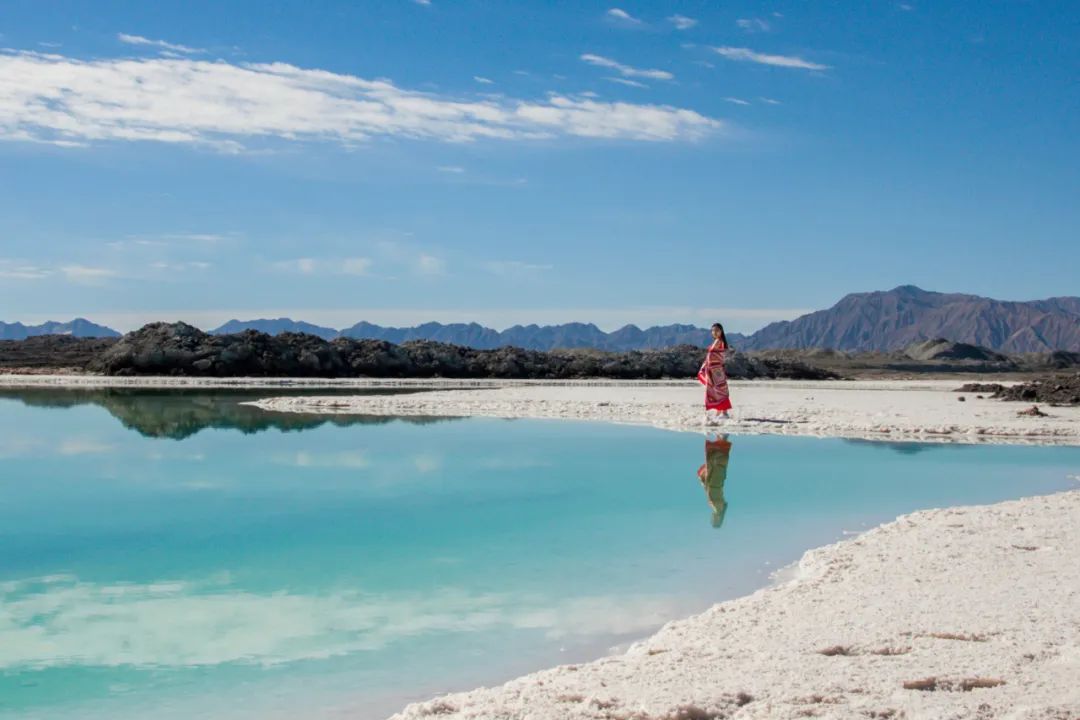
(178, 555)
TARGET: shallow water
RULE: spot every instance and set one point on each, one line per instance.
(178, 555)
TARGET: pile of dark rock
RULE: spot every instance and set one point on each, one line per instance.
(50, 353)
(183, 350)
(1055, 390)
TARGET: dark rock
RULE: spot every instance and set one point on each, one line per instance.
(1058, 390)
(980, 388)
(180, 349)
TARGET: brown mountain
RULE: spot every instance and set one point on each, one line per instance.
(892, 320)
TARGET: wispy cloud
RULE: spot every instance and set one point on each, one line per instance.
(737, 101)
(425, 3)
(65, 101)
(753, 25)
(620, 16)
(514, 268)
(626, 70)
(429, 265)
(785, 61)
(147, 42)
(681, 22)
(483, 80)
(628, 83)
(356, 266)
(770, 101)
(16, 270)
(453, 169)
(324, 266)
(86, 275)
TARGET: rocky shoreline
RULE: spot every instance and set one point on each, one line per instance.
(179, 349)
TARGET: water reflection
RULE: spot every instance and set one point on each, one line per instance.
(713, 474)
(907, 448)
(179, 414)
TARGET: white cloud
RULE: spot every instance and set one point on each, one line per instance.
(304, 266)
(60, 100)
(752, 25)
(626, 70)
(429, 265)
(166, 266)
(681, 22)
(770, 101)
(621, 16)
(736, 101)
(454, 169)
(628, 83)
(356, 266)
(483, 80)
(324, 266)
(425, 3)
(786, 61)
(514, 267)
(87, 275)
(14, 270)
(140, 40)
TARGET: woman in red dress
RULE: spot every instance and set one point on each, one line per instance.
(713, 375)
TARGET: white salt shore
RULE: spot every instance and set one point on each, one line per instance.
(891, 409)
(953, 613)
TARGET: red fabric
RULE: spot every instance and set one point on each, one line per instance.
(714, 377)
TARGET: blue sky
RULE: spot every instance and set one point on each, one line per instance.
(505, 162)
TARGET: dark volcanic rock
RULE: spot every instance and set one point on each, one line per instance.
(980, 388)
(1058, 390)
(45, 353)
(180, 349)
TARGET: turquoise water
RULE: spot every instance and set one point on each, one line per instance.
(179, 555)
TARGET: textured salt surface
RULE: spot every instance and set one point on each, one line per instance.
(918, 410)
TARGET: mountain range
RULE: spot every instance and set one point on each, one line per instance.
(873, 321)
(79, 327)
(529, 337)
(894, 319)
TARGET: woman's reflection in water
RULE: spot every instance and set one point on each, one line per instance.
(713, 474)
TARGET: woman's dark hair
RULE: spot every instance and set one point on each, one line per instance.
(723, 337)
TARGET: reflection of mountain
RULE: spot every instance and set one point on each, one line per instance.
(713, 475)
(179, 414)
(906, 448)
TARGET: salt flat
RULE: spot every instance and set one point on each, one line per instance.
(926, 410)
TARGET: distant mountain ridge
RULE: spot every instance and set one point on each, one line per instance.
(874, 321)
(79, 327)
(894, 319)
(474, 335)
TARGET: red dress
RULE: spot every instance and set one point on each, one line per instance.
(714, 377)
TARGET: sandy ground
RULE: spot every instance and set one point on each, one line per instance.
(905, 410)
